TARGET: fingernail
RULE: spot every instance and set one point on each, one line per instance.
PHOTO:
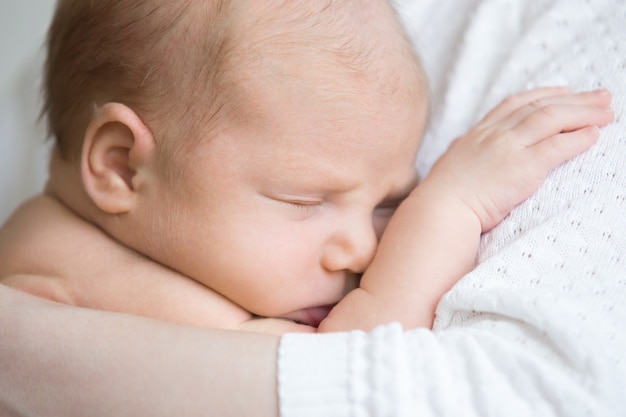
(594, 131)
(602, 92)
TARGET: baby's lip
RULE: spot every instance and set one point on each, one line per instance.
(311, 316)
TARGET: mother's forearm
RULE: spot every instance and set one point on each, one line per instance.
(57, 360)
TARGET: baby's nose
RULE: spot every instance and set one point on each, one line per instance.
(351, 249)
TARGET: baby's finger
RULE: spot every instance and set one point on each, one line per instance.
(597, 98)
(600, 98)
(553, 119)
(517, 101)
(561, 147)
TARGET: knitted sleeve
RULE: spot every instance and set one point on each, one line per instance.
(537, 329)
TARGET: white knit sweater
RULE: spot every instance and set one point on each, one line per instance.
(539, 327)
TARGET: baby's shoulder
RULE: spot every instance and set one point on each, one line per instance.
(43, 244)
(32, 233)
(41, 230)
(49, 251)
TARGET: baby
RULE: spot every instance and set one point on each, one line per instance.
(230, 163)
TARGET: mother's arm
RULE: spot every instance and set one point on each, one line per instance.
(66, 361)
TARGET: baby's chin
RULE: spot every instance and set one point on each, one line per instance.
(311, 316)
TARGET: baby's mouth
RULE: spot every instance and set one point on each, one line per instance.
(311, 316)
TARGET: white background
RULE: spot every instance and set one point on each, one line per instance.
(23, 25)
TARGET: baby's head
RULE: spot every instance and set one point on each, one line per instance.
(166, 60)
(257, 147)
(176, 63)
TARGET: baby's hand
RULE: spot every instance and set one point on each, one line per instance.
(507, 156)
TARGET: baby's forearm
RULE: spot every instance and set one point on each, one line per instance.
(430, 243)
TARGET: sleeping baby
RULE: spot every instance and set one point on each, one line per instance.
(250, 165)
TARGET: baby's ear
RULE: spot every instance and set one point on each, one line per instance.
(116, 147)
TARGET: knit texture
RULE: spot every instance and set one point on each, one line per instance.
(538, 328)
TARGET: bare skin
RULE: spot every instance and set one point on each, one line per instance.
(132, 365)
(93, 270)
(474, 185)
(100, 273)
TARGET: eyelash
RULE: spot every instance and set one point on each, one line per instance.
(304, 205)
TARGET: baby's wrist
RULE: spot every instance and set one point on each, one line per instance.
(457, 204)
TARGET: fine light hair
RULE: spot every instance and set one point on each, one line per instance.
(176, 63)
(159, 57)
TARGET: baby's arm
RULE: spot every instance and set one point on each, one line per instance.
(92, 270)
(432, 240)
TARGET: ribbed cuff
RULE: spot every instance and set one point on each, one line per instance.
(342, 374)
